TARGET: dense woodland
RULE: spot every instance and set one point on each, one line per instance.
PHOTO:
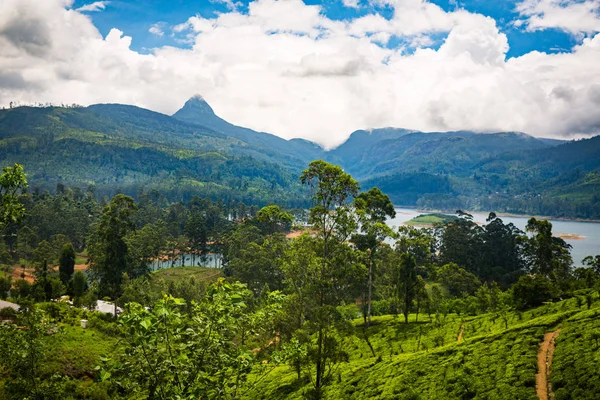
(324, 303)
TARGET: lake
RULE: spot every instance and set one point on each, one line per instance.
(589, 245)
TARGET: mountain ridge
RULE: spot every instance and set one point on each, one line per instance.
(116, 145)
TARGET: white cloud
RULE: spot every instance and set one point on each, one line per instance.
(157, 29)
(286, 68)
(95, 6)
(574, 16)
(350, 3)
(231, 4)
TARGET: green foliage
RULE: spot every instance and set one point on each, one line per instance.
(271, 219)
(12, 183)
(574, 367)
(532, 291)
(169, 354)
(550, 255)
(66, 262)
(5, 285)
(22, 354)
(457, 280)
(108, 249)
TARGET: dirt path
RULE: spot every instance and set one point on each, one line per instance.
(545, 353)
(460, 333)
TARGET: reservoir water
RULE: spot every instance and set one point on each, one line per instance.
(588, 233)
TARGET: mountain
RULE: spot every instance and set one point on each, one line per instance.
(390, 151)
(296, 152)
(125, 148)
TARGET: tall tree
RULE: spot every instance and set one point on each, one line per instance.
(461, 243)
(502, 253)
(408, 280)
(333, 221)
(66, 263)
(549, 255)
(373, 208)
(107, 248)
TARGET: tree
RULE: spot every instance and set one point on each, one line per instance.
(26, 241)
(44, 252)
(79, 284)
(461, 243)
(258, 263)
(332, 219)
(271, 219)
(548, 255)
(593, 263)
(407, 282)
(373, 208)
(532, 291)
(457, 280)
(107, 248)
(419, 242)
(502, 252)
(197, 233)
(13, 182)
(66, 263)
(43, 286)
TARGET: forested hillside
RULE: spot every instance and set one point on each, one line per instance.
(120, 148)
(117, 148)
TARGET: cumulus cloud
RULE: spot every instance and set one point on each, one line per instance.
(284, 67)
(157, 29)
(95, 6)
(575, 16)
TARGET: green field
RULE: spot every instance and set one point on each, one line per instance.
(177, 274)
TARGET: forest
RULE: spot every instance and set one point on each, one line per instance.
(327, 302)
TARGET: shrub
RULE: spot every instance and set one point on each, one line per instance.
(8, 313)
(532, 291)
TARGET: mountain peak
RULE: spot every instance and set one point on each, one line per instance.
(196, 105)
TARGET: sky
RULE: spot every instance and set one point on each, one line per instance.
(313, 69)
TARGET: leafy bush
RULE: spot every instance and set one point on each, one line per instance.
(532, 291)
(7, 313)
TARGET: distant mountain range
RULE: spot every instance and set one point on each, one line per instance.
(125, 148)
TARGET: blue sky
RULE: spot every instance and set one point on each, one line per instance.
(135, 18)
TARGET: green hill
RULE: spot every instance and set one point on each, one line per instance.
(491, 356)
(124, 148)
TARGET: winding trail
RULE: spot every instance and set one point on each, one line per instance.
(542, 386)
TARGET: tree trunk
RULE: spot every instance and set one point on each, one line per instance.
(370, 287)
(318, 380)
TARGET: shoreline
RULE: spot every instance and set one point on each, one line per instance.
(499, 214)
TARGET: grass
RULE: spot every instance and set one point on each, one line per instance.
(184, 273)
(496, 358)
(430, 219)
(75, 352)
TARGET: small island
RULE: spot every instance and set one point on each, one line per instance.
(430, 219)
